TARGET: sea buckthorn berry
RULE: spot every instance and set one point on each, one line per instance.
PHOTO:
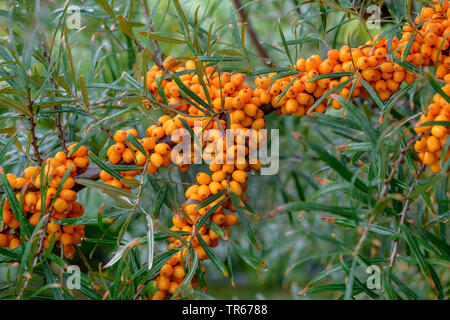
(159, 295)
(218, 219)
(14, 243)
(156, 159)
(218, 176)
(128, 156)
(105, 176)
(313, 62)
(433, 144)
(203, 191)
(429, 158)
(60, 156)
(120, 136)
(163, 283)
(235, 187)
(237, 79)
(362, 63)
(30, 198)
(292, 105)
(68, 195)
(3, 240)
(230, 219)
(60, 205)
(215, 187)
(203, 178)
(173, 287)
(29, 172)
(162, 148)
(158, 133)
(81, 162)
(80, 152)
(34, 219)
(240, 176)
(66, 239)
(262, 82)
(114, 157)
(301, 64)
(178, 272)
(119, 147)
(439, 131)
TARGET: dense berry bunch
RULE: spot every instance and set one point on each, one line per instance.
(63, 204)
(430, 147)
(425, 44)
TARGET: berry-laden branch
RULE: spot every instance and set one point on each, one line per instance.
(52, 199)
(403, 214)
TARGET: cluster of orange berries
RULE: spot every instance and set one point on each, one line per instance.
(229, 171)
(224, 176)
(369, 62)
(295, 94)
(64, 206)
(431, 46)
(431, 43)
(158, 152)
(225, 91)
(429, 148)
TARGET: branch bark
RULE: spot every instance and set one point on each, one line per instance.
(157, 57)
(265, 58)
(403, 214)
(61, 132)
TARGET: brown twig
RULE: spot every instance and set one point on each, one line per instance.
(61, 132)
(32, 122)
(400, 159)
(403, 214)
(253, 36)
(157, 57)
(386, 184)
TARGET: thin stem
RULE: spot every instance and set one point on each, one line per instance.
(403, 215)
(157, 57)
(32, 122)
(265, 58)
(61, 132)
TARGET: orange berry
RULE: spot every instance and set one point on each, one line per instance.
(230, 219)
(119, 147)
(178, 273)
(60, 205)
(105, 176)
(132, 132)
(128, 156)
(29, 172)
(148, 143)
(14, 243)
(81, 162)
(3, 240)
(240, 176)
(203, 178)
(68, 195)
(429, 158)
(156, 159)
(162, 148)
(203, 191)
(114, 157)
(66, 239)
(433, 144)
